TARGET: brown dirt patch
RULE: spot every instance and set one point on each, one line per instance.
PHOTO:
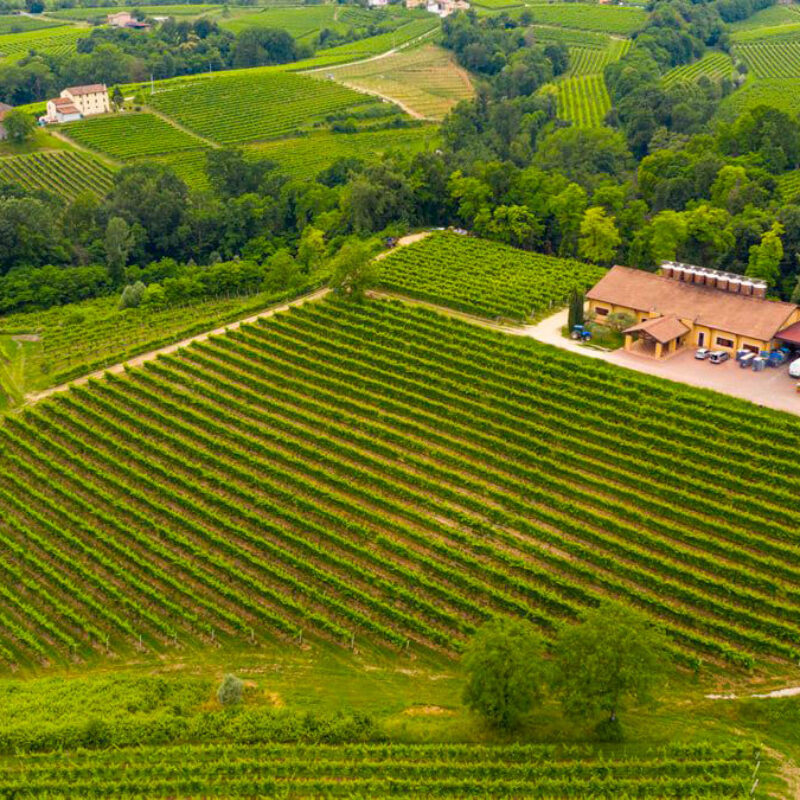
(428, 711)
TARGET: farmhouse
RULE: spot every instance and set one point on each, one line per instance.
(76, 102)
(4, 109)
(125, 20)
(685, 305)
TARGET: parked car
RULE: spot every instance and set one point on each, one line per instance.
(719, 356)
(794, 368)
(701, 353)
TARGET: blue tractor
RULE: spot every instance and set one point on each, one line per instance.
(580, 333)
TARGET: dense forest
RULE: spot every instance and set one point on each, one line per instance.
(661, 180)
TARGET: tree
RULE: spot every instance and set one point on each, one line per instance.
(19, 126)
(283, 272)
(575, 315)
(132, 295)
(620, 321)
(117, 98)
(311, 248)
(230, 691)
(765, 258)
(354, 270)
(505, 671)
(613, 656)
(668, 233)
(118, 243)
(599, 238)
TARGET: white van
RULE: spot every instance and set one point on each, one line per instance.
(794, 368)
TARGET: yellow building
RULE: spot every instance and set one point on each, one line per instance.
(690, 306)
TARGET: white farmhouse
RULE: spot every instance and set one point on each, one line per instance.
(77, 102)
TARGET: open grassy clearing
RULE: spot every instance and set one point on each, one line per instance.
(771, 59)
(61, 39)
(425, 80)
(483, 277)
(63, 172)
(781, 93)
(712, 65)
(330, 522)
(378, 771)
(584, 100)
(242, 108)
(125, 135)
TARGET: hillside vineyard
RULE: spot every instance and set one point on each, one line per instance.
(373, 475)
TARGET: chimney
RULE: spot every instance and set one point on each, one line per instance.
(734, 285)
(760, 290)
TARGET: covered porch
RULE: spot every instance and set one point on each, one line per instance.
(659, 337)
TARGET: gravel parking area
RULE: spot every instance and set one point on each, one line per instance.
(772, 388)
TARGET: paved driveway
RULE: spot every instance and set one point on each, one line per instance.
(772, 388)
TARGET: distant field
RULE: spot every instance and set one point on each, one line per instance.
(306, 156)
(59, 39)
(782, 93)
(712, 65)
(788, 31)
(264, 105)
(593, 60)
(130, 135)
(425, 79)
(296, 21)
(570, 37)
(771, 59)
(769, 17)
(584, 100)
(183, 10)
(15, 23)
(586, 16)
(62, 172)
(789, 184)
(483, 277)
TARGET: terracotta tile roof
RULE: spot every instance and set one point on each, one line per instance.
(65, 106)
(790, 334)
(662, 329)
(703, 305)
(93, 88)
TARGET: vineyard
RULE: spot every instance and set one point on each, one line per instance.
(771, 59)
(186, 9)
(124, 136)
(264, 105)
(592, 60)
(482, 277)
(378, 771)
(64, 172)
(14, 23)
(584, 16)
(297, 22)
(56, 40)
(426, 80)
(789, 184)
(584, 101)
(781, 93)
(772, 16)
(713, 65)
(271, 484)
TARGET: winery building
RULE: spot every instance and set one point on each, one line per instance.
(691, 306)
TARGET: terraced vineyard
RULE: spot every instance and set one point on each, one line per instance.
(15, 23)
(772, 59)
(125, 136)
(592, 60)
(56, 40)
(584, 101)
(378, 771)
(590, 17)
(271, 483)
(63, 172)
(713, 65)
(789, 184)
(425, 80)
(258, 105)
(483, 277)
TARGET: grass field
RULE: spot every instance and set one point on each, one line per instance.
(771, 59)
(379, 771)
(63, 172)
(425, 80)
(584, 100)
(270, 484)
(60, 39)
(712, 65)
(483, 277)
(235, 108)
(124, 136)
(587, 16)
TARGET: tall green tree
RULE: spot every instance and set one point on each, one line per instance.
(599, 237)
(19, 126)
(118, 242)
(505, 671)
(614, 656)
(353, 270)
(765, 258)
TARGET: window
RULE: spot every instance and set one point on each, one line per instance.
(701, 339)
(722, 342)
(751, 348)
(601, 312)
